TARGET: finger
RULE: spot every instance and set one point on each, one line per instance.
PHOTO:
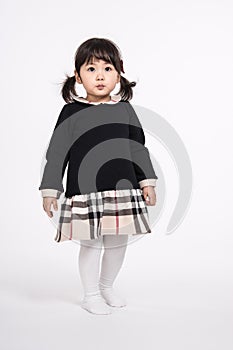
(153, 201)
(55, 205)
(145, 194)
(49, 213)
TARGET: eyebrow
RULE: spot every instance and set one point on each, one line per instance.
(96, 63)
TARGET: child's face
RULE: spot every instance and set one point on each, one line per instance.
(96, 73)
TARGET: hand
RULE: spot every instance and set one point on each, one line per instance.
(47, 201)
(149, 191)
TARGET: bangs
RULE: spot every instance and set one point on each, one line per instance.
(100, 52)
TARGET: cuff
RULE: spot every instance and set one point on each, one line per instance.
(50, 193)
(147, 182)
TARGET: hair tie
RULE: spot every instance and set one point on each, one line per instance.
(122, 68)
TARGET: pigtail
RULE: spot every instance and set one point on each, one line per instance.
(68, 87)
(126, 90)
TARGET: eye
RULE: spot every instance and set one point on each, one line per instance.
(108, 68)
(91, 68)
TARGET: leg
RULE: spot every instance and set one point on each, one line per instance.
(89, 260)
(113, 257)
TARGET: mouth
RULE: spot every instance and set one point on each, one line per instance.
(100, 86)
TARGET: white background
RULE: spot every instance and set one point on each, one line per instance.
(179, 287)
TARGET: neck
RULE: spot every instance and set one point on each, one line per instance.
(91, 98)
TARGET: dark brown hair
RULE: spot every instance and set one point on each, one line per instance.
(99, 48)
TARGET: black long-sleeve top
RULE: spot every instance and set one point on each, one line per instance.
(104, 147)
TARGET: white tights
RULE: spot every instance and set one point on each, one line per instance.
(89, 261)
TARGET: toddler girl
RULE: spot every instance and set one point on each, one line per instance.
(110, 177)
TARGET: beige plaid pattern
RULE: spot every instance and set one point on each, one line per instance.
(91, 215)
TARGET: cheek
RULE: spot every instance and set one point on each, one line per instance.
(88, 82)
(117, 79)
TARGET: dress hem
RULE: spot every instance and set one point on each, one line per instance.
(63, 238)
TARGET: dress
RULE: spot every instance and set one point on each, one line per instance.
(88, 213)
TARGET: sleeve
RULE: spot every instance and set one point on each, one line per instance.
(49, 192)
(144, 170)
(57, 157)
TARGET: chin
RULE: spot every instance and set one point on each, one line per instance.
(101, 93)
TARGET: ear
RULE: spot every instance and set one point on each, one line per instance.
(118, 78)
(77, 77)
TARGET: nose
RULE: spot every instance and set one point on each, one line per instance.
(100, 75)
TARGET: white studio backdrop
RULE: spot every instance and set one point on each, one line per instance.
(179, 287)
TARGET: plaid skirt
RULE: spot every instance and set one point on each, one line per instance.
(89, 216)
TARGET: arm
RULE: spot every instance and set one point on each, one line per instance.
(57, 157)
(50, 192)
(140, 155)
